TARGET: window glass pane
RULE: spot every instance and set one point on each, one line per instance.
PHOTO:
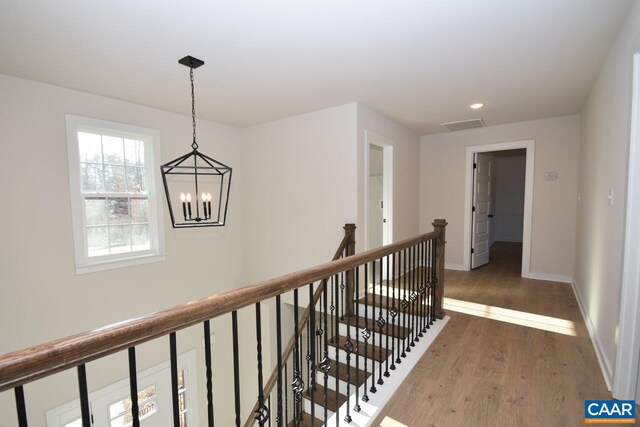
(134, 152)
(89, 147)
(140, 237)
(76, 423)
(181, 378)
(113, 150)
(183, 420)
(114, 179)
(136, 180)
(118, 209)
(120, 412)
(91, 179)
(120, 238)
(139, 210)
(96, 210)
(97, 241)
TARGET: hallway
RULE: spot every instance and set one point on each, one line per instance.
(523, 356)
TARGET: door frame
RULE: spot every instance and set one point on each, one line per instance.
(529, 146)
(625, 376)
(372, 138)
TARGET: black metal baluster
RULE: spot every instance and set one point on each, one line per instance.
(209, 371)
(399, 324)
(312, 352)
(326, 363)
(357, 311)
(21, 407)
(296, 386)
(236, 365)
(133, 387)
(414, 296)
(332, 308)
(279, 362)
(174, 379)
(410, 298)
(301, 375)
(84, 396)
(308, 356)
(434, 281)
(348, 348)
(262, 413)
(381, 324)
(405, 302)
(341, 296)
(337, 344)
(425, 282)
(366, 332)
(418, 296)
(373, 388)
(394, 312)
(269, 409)
(427, 291)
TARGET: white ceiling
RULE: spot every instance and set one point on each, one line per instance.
(419, 62)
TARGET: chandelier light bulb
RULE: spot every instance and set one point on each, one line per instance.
(189, 197)
(182, 197)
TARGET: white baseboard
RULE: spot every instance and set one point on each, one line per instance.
(451, 266)
(549, 277)
(605, 365)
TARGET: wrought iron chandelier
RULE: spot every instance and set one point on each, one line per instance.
(200, 184)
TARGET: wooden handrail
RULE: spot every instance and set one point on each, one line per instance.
(39, 361)
(347, 240)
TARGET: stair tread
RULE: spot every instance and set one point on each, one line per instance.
(412, 309)
(387, 329)
(373, 352)
(355, 374)
(306, 421)
(318, 397)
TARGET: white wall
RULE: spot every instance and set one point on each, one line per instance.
(442, 175)
(604, 149)
(405, 173)
(301, 190)
(42, 298)
(508, 215)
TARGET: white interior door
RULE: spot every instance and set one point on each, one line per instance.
(480, 210)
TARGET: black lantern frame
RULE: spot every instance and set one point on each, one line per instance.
(207, 174)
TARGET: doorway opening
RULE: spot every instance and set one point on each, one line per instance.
(379, 191)
(498, 205)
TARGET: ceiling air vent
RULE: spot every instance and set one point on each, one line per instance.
(463, 124)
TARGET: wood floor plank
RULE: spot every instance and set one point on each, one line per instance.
(485, 372)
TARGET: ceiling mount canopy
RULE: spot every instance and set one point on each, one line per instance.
(200, 184)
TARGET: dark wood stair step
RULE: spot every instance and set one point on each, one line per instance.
(413, 308)
(387, 329)
(306, 421)
(318, 397)
(373, 352)
(354, 374)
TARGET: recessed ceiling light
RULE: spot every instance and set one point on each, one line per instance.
(476, 106)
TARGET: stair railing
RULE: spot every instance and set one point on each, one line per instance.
(413, 279)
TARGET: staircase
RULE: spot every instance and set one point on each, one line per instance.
(369, 366)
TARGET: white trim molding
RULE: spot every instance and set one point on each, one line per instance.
(605, 365)
(529, 145)
(626, 372)
(550, 277)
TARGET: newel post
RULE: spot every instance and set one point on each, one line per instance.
(350, 232)
(439, 225)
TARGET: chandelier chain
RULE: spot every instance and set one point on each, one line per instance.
(194, 145)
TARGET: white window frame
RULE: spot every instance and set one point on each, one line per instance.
(70, 411)
(151, 139)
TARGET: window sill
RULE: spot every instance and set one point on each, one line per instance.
(95, 266)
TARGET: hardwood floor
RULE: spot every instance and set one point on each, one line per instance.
(485, 372)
